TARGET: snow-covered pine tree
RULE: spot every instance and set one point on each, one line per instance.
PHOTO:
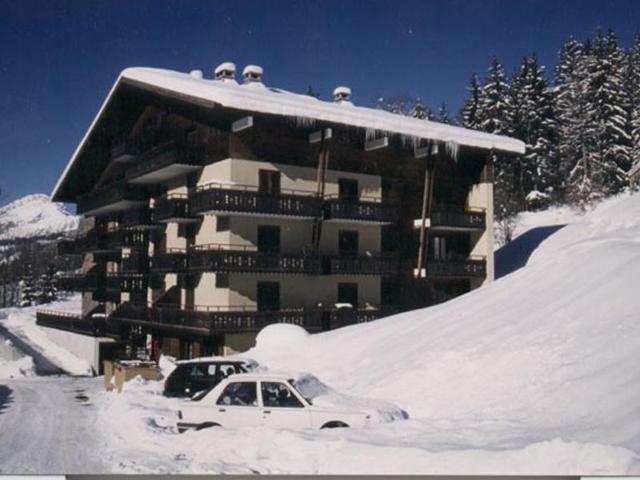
(533, 123)
(28, 291)
(472, 105)
(494, 115)
(443, 114)
(47, 291)
(610, 148)
(573, 113)
(421, 110)
(633, 87)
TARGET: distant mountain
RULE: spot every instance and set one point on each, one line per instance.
(35, 217)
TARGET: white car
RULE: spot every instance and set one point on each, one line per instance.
(248, 400)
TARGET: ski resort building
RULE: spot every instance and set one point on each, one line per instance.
(214, 207)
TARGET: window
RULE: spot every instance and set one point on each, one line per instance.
(348, 243)
(268, 238)
(348, 190)
(268, 296)
(348, 293)
(269, 182)
(241, 394)
(222, 224)
(275, 394)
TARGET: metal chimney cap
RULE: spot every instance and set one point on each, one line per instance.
(342, 94)
(225, 71)
(252, 73)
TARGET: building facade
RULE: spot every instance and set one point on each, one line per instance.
(213, 208)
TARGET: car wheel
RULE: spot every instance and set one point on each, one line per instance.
(334, 424)
(202, 426)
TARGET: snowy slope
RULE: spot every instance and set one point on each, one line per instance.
(34, 216)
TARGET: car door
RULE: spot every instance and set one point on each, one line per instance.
(237, 405)
(281, 408)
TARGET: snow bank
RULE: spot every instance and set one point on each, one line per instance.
(22, 322)
(22, 367)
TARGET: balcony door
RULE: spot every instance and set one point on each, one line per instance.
(348, 293)
(348, 190)
(268, 296)
(348, 243)
(268, 238)
(269, 182)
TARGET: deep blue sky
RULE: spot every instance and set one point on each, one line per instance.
(58, 59)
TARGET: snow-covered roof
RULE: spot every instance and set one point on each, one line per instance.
(256, 97)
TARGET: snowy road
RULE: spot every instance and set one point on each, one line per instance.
(46, 425)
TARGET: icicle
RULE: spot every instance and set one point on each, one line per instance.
(304, 122)
(452, 148)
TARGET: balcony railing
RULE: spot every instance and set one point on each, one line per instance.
(212, 320)
(78, 282)
(342, 317)
(230, 258)
(137, 218)
(70, 246)
(457, 217)
(109, 199)
(126, 282)
(134, 262)
(164, 161)
(173, 260)
(71, 322)
(457, 267)
(172, 208)
(124, 150)
(359, 210)
(127, 238)
(219, 198)
(386, 265)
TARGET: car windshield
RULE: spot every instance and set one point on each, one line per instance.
(293, 384)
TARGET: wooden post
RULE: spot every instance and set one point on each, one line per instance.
(323, 162)
(427, 196)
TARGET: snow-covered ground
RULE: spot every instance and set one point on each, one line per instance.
(535, 374)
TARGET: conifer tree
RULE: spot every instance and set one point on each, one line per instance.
(633, 83)
(443, 114)
(472, 105)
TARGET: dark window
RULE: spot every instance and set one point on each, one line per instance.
(268, 238)
(222, 280)
(222, 224)
(186, 349)
(387, 292)
(348, 243)
(242, 394)
(268, 296)
(348, 189)
(348, 293)
(269, 182)
(275, 394)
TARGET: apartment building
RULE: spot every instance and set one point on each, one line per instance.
(214, 207)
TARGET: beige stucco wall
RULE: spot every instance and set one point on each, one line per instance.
(481, 196)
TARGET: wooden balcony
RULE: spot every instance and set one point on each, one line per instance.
(385, 265)
(172, 208)
(341, 317)
(173, 260)
(164, 162)
(78, 282)
(111, 199)
(359, 211)
(230, 258)
(220, 199)
(134, 262)
(70, 246)
(117, 239)
(457, 218)
(124, 150)
(90, 326)
(139, 218)
(472, 267)
(126, 282)
(213, 320)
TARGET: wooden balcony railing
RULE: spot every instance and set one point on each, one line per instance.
(137, 218)
(458, 217)
(359, 210)
(474, 266)
(220, 198)
(174, 207)
(230, 258)
(134, 262)
(386, 265)
(126, 282)
(342, 317)
(79, 282)
(124, 150)
(173, 260)
(93, 326)
(121, 194)
(212, 320)
(166, 154)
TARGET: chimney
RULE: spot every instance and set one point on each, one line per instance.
(342, 95)
(252, 74)
(225, 72)
(196, 73)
